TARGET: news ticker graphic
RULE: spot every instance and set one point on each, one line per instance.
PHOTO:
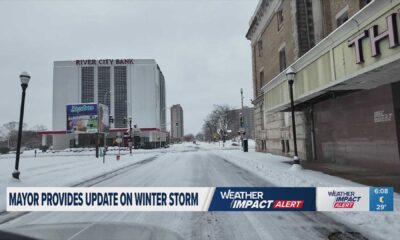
(200, 199)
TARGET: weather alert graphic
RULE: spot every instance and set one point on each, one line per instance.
(263, 199)
(342, 199)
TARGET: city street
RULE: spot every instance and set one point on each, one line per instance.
(197, 166)
(192, 120)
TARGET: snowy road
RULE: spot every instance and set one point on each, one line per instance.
(198, 167)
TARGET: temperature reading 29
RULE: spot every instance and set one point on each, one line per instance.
(380, 207)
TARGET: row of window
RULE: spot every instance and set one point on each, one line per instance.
(120, 90)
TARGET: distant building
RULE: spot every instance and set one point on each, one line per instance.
(177, 122)
(248, 121)
(129, 87)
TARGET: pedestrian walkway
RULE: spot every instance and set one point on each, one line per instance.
(357, 174)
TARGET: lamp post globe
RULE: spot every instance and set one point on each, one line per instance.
(24, 78)
(290, 75)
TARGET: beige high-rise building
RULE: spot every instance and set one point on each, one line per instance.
(177, 123)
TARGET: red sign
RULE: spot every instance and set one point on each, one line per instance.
(104, 62)
(288, 203)
(343, 205)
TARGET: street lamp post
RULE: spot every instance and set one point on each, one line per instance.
(241, 118)
(24, 77)
(290, 74)
(130, 135)
(176, 124)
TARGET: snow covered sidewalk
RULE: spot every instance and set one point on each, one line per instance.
(273, 168)
(59, 170)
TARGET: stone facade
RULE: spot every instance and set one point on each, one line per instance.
(284, 29)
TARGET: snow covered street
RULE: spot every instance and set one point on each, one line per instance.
(202, 165)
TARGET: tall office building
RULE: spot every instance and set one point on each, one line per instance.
(248, 122)
(177, 123)
(129, 87)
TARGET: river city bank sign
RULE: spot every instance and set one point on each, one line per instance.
(104, 62)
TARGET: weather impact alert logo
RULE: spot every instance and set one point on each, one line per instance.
(263, 199)
(344, 199)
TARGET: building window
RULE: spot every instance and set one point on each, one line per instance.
(103, 77)
(279, 17)
(342, 16)
(120, 106)
(260, 47)
(287, 146)
(283, 146)
(261, 117)
(282, 59)
(261, 79)
(364, 3)
(87, 84)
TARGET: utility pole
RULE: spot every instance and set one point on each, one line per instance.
(241, 93)
(241, 117)
(130, 135)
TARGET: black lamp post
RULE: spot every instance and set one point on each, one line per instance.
(290, 74)
(130, 135)
(24, 77)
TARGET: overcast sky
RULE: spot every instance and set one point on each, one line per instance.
(200, 46)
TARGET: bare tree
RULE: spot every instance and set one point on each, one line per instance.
(216, 123)
(30, 137)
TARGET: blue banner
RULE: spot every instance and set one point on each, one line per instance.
(263, 199)
(82, 109)
(381, 199)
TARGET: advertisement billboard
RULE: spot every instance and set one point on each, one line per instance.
(82, 118)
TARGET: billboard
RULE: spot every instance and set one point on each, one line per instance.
(82, 118)
(87, 118)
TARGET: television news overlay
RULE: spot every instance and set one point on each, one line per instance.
(199, 199)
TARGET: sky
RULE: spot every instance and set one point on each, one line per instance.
(200, 46)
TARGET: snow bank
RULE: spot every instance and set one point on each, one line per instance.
(274, 169)
(68, 167)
